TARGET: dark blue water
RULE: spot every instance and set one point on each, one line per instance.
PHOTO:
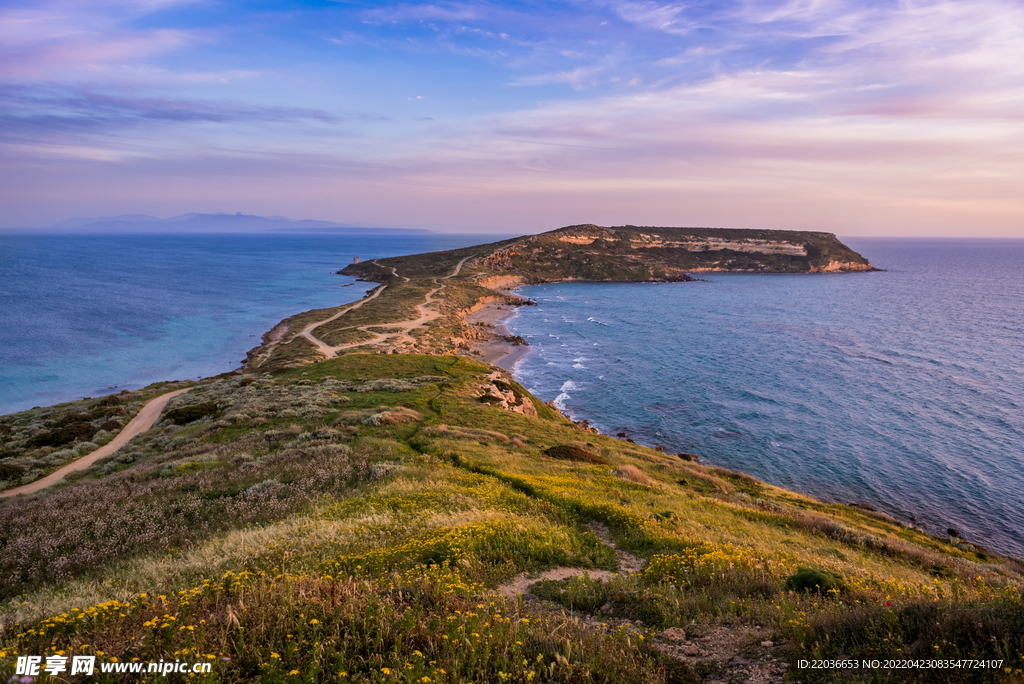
(80, 314)
(900, 389)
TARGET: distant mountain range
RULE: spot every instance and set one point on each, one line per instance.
(214, 223)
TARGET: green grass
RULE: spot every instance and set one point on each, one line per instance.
(336, 544)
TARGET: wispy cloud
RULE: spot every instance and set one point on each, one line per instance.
(907, 108)
(667, 17)
(422, 12)
(33, 113)
(45, 42)
(580, 78)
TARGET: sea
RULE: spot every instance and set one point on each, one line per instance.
(901, 389)
(88, 315)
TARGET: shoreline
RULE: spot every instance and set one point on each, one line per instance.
(490, 322)
(493, 349)
(505, 355)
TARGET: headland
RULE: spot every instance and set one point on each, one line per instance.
(448, 302)
(368, 501)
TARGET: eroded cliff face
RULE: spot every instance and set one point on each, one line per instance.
(506, 282)
(838, 266)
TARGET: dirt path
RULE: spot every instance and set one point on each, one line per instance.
(735, 653)
(740, 653)
(144, 420)
(628, 563)
(327, 350)
(401, 329)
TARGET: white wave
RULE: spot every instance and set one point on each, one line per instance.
(568, 386)
(580, 359)
(560, 401)
(578, 365)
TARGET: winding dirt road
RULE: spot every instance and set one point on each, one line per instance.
(142, 421)
(327, 350)
(403, 328)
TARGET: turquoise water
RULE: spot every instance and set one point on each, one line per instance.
(901, 389)
(83, 315)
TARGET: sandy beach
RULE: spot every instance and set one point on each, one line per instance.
(496, 350)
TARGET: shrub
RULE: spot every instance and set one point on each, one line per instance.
(62, 435)
(386, 385)
(189, 414)
(818, 581)
(567, 452)
(261, 487)
(10, 471)
(482, 436)
(393, 416)
(57, 458)
(575, 593)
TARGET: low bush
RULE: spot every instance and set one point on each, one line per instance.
(10, 471)
(63, 435)
(568, 452)
(192, 413)
(817, 581)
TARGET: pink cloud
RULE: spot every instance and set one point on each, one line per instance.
(65, 39)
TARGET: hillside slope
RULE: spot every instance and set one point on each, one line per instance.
(370, 519)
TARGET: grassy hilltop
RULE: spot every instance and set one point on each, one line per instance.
(420, 517)
(351, 521)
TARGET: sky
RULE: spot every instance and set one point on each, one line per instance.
(870, 118)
